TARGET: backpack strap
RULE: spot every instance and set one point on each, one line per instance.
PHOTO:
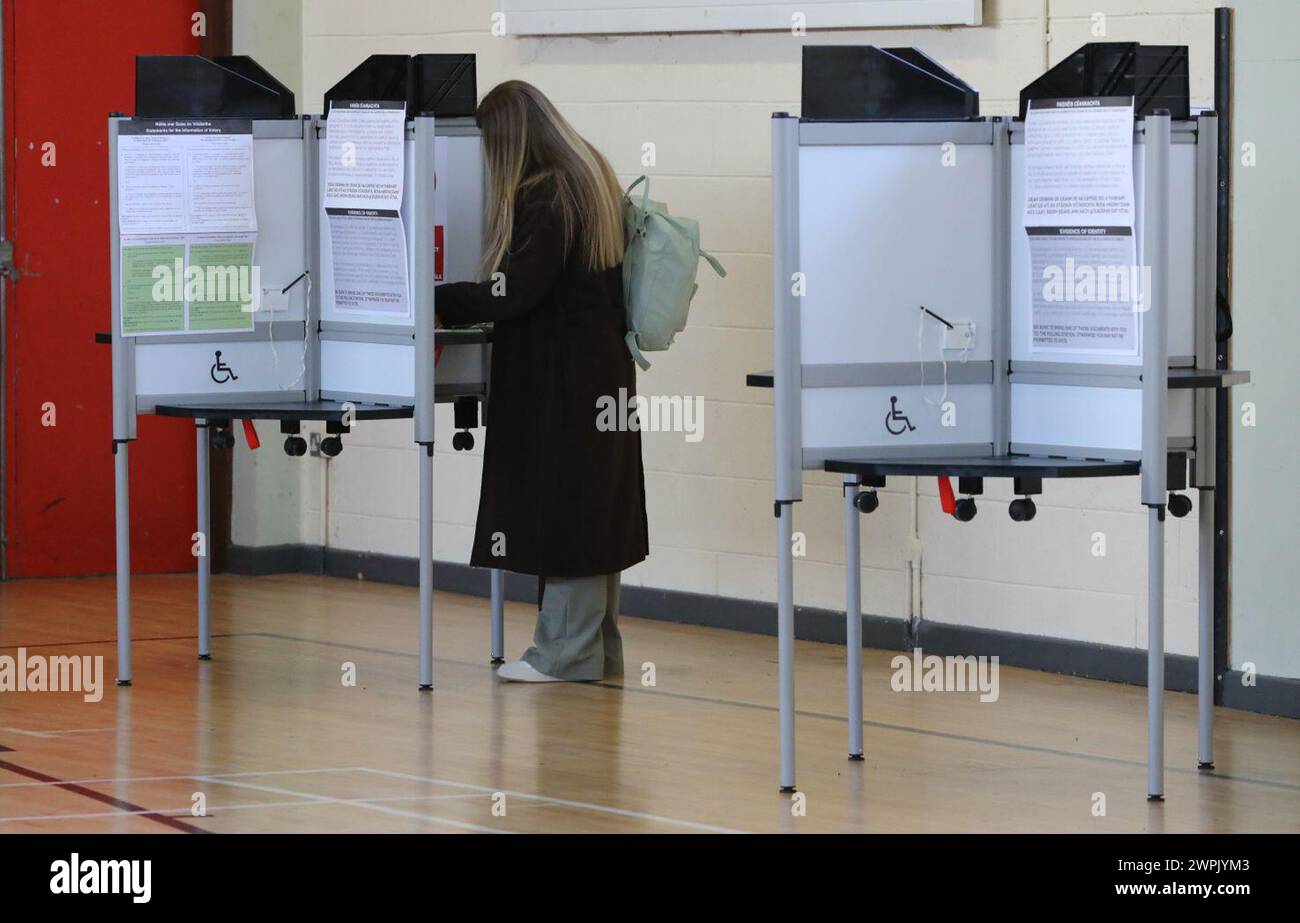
(713, 261)
(644, 207)
(637, 355)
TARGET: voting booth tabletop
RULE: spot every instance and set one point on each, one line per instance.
(287, 410)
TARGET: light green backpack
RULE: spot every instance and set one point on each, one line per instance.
(663, 254)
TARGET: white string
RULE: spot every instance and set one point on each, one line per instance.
(943, 360)
(302, 357)
(920, 352)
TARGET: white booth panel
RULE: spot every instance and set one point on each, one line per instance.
(1182, 250)
(853, 417)
(361, 369)
(1182, 262)
(463, 237)
(189, 368)
(1180, 422)
(462, 365)
(281, 251)
(884, 229)
(1077, 416)
(1092, 418)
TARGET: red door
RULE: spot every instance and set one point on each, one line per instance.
(68, 64)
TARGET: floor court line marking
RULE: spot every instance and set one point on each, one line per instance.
(1216, 776)
(57, 733)
(109, 641)
(584, 805)
(824, 716)
(227, 808)
(219, 778)
(326, 799)
(80, 789)
(188, 775)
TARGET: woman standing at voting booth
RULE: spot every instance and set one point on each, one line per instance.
(562, 498)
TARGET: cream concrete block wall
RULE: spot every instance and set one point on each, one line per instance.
(704, 101)
(1265, 632)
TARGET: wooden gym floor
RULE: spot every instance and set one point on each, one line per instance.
(274, 741)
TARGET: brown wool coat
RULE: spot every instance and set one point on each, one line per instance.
(568, 498)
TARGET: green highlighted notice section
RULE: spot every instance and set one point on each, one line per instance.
(220, 283)
(150, 302)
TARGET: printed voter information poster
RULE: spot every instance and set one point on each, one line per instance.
(142, 311)
(365, 170)
(365, 155)
(222, 284)
(1087, 293)
(187, 225)
(1079, 162)
(368, 250)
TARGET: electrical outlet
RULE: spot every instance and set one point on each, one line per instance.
(961, 336)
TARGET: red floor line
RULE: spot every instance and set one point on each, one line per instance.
(102, 798)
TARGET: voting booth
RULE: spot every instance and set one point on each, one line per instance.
(1027, 298)
(270, 266)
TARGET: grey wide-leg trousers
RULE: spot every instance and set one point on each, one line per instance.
(577, 635)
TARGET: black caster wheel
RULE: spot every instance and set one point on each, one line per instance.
(868, 501)
(223, 439)
(331, 446)
(965, 510)
(1179, 505)
(295, 446)
(462, 441)
(1022, 510)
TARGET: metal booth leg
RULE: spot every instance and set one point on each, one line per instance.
(1156, 654)
(426, 566)
(785, 639)
(498, 615)
(122, 521)
(205, 536)
(853, 612)
(1205, 646)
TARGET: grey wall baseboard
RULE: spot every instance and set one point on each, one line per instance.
(274, 559)
(1271, 695)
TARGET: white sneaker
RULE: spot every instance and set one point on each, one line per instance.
(520, 671)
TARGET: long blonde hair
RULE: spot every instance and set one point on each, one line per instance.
(526, 141)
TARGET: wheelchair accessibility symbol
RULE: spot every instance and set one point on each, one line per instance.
(896, 416)
(226, 372)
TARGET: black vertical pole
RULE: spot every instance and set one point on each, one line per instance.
(1223, 413)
